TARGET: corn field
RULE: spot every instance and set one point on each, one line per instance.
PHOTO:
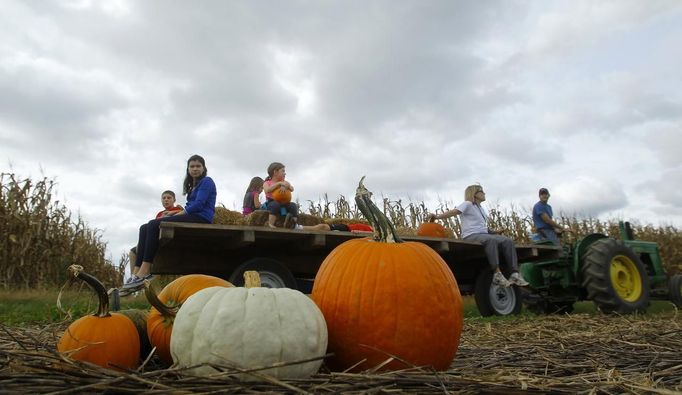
(39, 239)
(516, 224)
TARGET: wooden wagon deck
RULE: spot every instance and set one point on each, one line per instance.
(220, 249)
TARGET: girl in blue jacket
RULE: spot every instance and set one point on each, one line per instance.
(200, 208)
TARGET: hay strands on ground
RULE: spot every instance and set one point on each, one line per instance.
(557, 354)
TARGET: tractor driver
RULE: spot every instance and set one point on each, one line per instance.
(542, 218)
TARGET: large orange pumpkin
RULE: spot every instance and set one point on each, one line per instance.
(432, 229)
(281, 195)
(106, 339)
(166, 305)
(382, 297)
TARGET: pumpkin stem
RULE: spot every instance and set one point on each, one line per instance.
(97, 286)
(153, 299)
(251, 279)
(384, 231)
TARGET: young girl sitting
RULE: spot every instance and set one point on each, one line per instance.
(200, 208)
(251, 197)
(274, 181)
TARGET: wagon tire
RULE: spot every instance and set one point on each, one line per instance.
(272, 273)
(615, 278)
(493, 299)
(675, 289)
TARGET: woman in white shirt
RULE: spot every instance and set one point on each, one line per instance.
(475, 228)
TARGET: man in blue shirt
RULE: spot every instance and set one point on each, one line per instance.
(542, 218)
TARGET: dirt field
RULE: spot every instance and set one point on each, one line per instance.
(554, 354)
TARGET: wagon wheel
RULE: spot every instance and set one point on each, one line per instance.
(272, 273)
(615, 278)
(492, 299)
(675, 289)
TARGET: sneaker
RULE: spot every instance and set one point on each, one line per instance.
(516, 279)
(498, 279)
(134, 284)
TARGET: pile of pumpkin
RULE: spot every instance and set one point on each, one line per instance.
(377, 303)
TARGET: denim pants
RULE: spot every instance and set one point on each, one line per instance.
(148, 240)
(492, 245)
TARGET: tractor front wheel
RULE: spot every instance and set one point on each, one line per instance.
(615, 278)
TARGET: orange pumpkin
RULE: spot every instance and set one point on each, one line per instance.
(432, 229)
(382, 297)
(281, 195)
(106, 339)
(166, 305)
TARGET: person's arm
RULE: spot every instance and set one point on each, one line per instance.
(279, 184)
(203, 192)
(269, 186)
(447, 214)
(174, 211)
(557, 228)
(256, 200)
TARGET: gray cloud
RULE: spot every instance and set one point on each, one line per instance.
(424, 98)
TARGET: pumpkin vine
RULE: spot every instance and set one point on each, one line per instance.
(153, 299)
(251, 279)
(97, 286)
(384, 231)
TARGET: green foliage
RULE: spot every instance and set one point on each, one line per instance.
(40, 307)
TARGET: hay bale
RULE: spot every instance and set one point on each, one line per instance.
(224, 216)
(403, 231)
(309, 220)
(257, 218)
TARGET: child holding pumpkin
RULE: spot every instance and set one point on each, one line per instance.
(475, 228)
(200, 208)
(252, 196)
(278, 194)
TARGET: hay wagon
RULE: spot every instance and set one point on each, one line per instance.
(291, 258)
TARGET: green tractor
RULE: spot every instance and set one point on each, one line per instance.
(619, 276)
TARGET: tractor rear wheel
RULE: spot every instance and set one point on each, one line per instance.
(675, 289)
(615, 278)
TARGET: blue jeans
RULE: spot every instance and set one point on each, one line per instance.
(148, 240)
(549, 234)
(492, 245)
(274, 207)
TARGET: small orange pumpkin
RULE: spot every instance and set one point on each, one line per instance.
(106, 339)
(383, 297)
(281, 195)
(166, 305)
(432, 229)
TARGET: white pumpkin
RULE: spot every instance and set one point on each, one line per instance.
(250, 327)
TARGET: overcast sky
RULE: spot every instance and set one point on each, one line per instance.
(110, 98)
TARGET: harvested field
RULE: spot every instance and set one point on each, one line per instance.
(553, 354)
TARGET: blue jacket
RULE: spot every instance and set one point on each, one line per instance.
(201, 201)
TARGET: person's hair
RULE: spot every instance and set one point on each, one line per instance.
(470, 192)
(168, 192)
(255, 184)
(188, 184)
(274, 166)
